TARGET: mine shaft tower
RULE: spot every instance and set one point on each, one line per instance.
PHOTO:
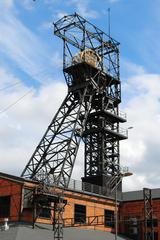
(90, 110)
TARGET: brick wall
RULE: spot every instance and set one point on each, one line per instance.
(95, 206)
(135, 209)
(14, 190)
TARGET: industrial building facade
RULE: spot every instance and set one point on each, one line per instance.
(83, 210)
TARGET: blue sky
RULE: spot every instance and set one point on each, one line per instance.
(31, 60)
(133, 23)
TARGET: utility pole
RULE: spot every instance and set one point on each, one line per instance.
(118, 181)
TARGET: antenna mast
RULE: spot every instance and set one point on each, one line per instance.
(109, 22)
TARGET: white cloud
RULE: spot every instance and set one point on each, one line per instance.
(7, 4)
(57, 60)
(78, 170)
(131, 69)
(61, 14)
(46, 25)
(23, 47)
(24, 124)
(28, 4)
(6, 77)
(135, 182)
(141, 151)
(83, 7)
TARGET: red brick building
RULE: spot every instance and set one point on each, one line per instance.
(131, 214)
(84, 209)
(82, 206)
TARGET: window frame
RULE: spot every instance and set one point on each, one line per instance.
(43, 214)
(109, 220)
(5, 206)
(80, 216)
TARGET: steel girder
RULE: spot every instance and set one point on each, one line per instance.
(58, 222)
(92, 90)
(79, 34)
(101, 155)
(101, 143)
(58, 216)
(148, 214)
(55, 155)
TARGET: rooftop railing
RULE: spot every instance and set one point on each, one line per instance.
(84, 187)
(122, 115)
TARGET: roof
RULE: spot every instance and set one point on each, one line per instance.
(41, 232)
(74, 186)
(138, 195)
(124, 197)
(15, 178)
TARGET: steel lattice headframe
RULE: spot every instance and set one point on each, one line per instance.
(90, 110)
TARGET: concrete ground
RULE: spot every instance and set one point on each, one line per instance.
(44, 232)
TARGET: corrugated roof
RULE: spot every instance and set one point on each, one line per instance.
(138, 195)
(41, 232)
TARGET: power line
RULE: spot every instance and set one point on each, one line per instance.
(10, 85)
(14, 103)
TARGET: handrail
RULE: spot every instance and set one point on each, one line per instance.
(123, 115)
(87, 221)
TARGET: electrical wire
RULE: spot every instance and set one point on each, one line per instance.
(11, 85)
(14, 103)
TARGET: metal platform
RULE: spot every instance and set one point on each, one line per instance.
(120, 135)
(111, 116)
(81, 71)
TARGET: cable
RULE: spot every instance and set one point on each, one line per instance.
(18, 100)
(10, 86)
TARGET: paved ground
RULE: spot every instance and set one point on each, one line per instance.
(44, 232)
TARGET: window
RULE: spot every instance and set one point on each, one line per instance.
(109, 218)
(155, 235)
(5, 206)
(28, 197)
(45, 213)
(154, 222)
(149, 236)
(79, 213)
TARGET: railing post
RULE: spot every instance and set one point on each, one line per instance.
(74, 184)
(92, 188)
